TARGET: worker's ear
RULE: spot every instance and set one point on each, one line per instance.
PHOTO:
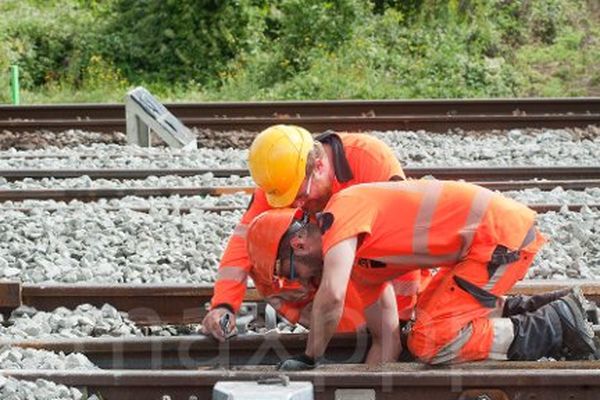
(325, 220)
(319, 166)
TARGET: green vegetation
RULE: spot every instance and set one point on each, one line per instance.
(193, 50)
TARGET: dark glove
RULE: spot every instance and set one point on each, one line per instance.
(298, 363)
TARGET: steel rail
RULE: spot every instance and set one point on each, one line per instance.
(98, 193)
(111, 193)
(580, 105)
(197, 351)
(194, 351)
(540, 208)
(524, 380)
(149, 304)
(432, 123)
(467, 173)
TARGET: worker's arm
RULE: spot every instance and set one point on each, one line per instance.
(230, 286)
(328, 304)
(384, 327)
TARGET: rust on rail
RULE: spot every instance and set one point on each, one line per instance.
(94, 194)
(432, 123)
(387, 382)
(178, 304)
(510, 106)
(453, 173)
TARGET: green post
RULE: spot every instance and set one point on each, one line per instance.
(14, 85)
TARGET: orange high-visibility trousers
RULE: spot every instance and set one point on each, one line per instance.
(455, 320)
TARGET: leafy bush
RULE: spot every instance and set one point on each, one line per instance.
(181, 40)
(93, 50)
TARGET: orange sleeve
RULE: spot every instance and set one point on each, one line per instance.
(230, 287)
(352, 216)
(372, 160)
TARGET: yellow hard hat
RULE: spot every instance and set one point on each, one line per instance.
(277, 162)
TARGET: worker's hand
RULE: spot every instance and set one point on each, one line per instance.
(298, 363)
(219, 323)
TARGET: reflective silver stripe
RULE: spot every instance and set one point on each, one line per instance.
(450, 351)
(478, 208)
(240, 230)
(424, 217)
(423, 223)
(499, 273)
(405, 288)
(237, 274)
(503, 337)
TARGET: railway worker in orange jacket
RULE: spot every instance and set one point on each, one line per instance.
(483, 243)
(290, 168)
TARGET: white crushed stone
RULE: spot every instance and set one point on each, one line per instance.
(557, 195)
(84, 321)
(117, 156)
(89, 244)
(83, 242)
(573, 250)
(25, 358)
(27, 323)
(513, 148)
(14, 389)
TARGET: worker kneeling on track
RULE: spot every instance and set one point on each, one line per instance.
(292, 294)
(483, 243)
(291, 168)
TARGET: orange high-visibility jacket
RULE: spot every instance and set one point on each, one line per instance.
(424, 223)
(357, 159)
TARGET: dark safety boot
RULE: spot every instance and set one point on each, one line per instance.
(578, 335)
(521, 304)
(549, 331)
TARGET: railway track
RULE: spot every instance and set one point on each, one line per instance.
(502, 179)
(540, 208)
(466, 173)
(114, 193)
(579, 105)
(477, 381)
(188, 366)
(439, 115)
(149, 304)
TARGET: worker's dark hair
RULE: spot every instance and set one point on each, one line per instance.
(285, 247)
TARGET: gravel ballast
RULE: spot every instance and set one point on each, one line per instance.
(82, 242)
(87, 243)
(25, 358)
(503, 148)
(84, 321)
(14, 389)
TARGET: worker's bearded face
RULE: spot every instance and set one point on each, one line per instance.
(307, 255)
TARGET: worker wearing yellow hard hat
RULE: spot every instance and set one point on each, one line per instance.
(277, 162)
(290, 168)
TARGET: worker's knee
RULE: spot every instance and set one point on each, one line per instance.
(421, 345)
(430, 343)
